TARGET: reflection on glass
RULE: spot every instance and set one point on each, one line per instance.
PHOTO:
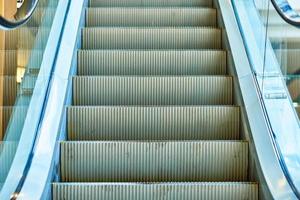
(285, 40)
(21, 54)
(273, 48)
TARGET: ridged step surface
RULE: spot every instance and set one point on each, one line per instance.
(157, 191)
(149, 3)
(201, 90)
(151, 17)
(126, 62)
(152, 115)
(151, 38)
(154, 161)
(153, 123)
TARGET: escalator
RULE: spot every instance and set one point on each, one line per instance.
(152, 100)
(153, 115)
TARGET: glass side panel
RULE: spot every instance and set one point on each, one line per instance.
(285, 42)
(273, 49)
(21, 54)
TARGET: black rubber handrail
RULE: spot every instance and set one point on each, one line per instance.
(21, 17)
(286, 12)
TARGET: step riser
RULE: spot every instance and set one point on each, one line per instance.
(153, 123)
(150, 17)
(152, 3)
(152, 90)
(207, 191)
(154, 161)
(151, 62)
(157, 38)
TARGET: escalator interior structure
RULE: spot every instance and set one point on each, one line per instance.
(152, 99)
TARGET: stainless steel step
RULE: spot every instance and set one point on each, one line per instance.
(293, 84)
(13, 118)
(151, 3)
(154, 161)
(124, 62)
(27, 38)
(153, 115)
(157, 191)
(201, 90)
(151, 38)
(151, 17)
(9, 90)
(153, 123)
(42, 16)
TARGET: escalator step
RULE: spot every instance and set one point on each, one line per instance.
(27, 38)
(9, 90)
(124, 62)
(13, 118)
(157, 191)
(150, 3)
(201, 90)
(151, 38)
(157, 161)
(151, 17)
(153, 123)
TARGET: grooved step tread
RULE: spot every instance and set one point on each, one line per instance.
(155, 3)
(157, 191)
(151, 17)
(153, 123)
(151, 62)
(154, 161)
(151, 38)
(153, 115)
(201, 90)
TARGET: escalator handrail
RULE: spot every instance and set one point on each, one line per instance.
(6, 24)
(286, 12)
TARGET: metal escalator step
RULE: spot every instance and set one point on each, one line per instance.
(151, 17)
(201, 90)
(153, 123)
(9, 62)
(42, 17)
(293, 85)
(27, 38)
(151, 38)
(157, 191)
(151, 3)
(124, 62)
(162, 161)
(13, 120)
(9, 90)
